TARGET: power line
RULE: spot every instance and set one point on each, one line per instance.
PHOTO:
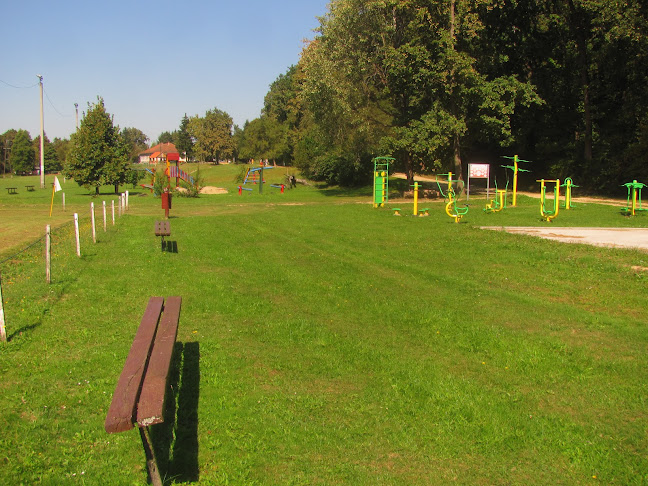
(18, 87)
(55, 109)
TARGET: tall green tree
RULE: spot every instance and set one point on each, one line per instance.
(6, 141)
(265, 138)
(22, 159)
(98, 154)
(213, 135)
(184, 141)
(136, 141)
(50, 159)
(166, 137)
(405, 70)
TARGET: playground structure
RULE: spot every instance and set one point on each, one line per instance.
(546, 214)
(500, 201)
(634, 198)
(381, 181)
(171, 171)
(251, 178)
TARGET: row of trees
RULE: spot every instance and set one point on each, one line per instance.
(22, 154)
(440, 83)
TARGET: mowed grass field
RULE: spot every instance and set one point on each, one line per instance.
(322, 341)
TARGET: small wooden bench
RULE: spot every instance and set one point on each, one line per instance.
(139, 397)
(12, 190)
(163, 229)
(30, 188)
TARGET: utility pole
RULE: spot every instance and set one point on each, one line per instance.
(42, 137)
(76, 108)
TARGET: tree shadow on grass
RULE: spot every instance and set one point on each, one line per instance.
(176, 439)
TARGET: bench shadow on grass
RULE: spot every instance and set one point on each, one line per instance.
(176, 439)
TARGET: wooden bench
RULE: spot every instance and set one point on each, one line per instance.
(12, 190)
(139, 397)
(163, 229)
(30, 188)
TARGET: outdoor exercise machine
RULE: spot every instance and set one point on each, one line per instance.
(568, 184)
(515, 170)
(450, 195)
(546, 214)
(381, 181)
(634, 197)
(500, 201)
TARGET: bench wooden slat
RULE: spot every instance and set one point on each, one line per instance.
(122, 408)
(151, 402)
(162, 228)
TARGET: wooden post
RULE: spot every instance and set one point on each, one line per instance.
(92, 219)
(48, 254)
(120, 206)
(3, 332)
(104, 215)
(76, 231)
(112, 204)
(126, 200)
(63, 197)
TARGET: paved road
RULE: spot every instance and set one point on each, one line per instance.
(610, 237)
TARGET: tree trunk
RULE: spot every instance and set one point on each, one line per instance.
(580, 30)
(457, 157)
(116, 188)
(409, 170)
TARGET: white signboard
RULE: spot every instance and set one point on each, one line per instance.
(479, 171)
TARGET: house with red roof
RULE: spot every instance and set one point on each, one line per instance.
(158, 154)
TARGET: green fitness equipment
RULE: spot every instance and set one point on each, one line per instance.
(451, 207)
(568, 184)
(544, 212)
(634, 197)
(515, 170)
(381, 181)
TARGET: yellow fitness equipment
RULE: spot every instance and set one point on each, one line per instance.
(546, 214)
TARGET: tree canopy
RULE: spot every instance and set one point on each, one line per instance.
(98, 155)
(22, 157)
(439, 84)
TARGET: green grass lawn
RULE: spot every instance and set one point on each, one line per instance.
(322, 341)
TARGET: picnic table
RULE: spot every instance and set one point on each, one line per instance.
(12, 190)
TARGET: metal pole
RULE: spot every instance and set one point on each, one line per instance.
(42, 132)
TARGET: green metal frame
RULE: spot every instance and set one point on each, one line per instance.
(381, 180)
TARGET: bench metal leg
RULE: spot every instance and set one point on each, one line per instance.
(151, 462)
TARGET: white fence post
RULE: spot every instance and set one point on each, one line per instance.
(3, 332)
(76, 231)
(126, 200)
(92, 219)
(112, 204)
(104, 215)
(48, 254)
(63, 197)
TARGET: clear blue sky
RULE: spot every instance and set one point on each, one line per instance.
(151, 61)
